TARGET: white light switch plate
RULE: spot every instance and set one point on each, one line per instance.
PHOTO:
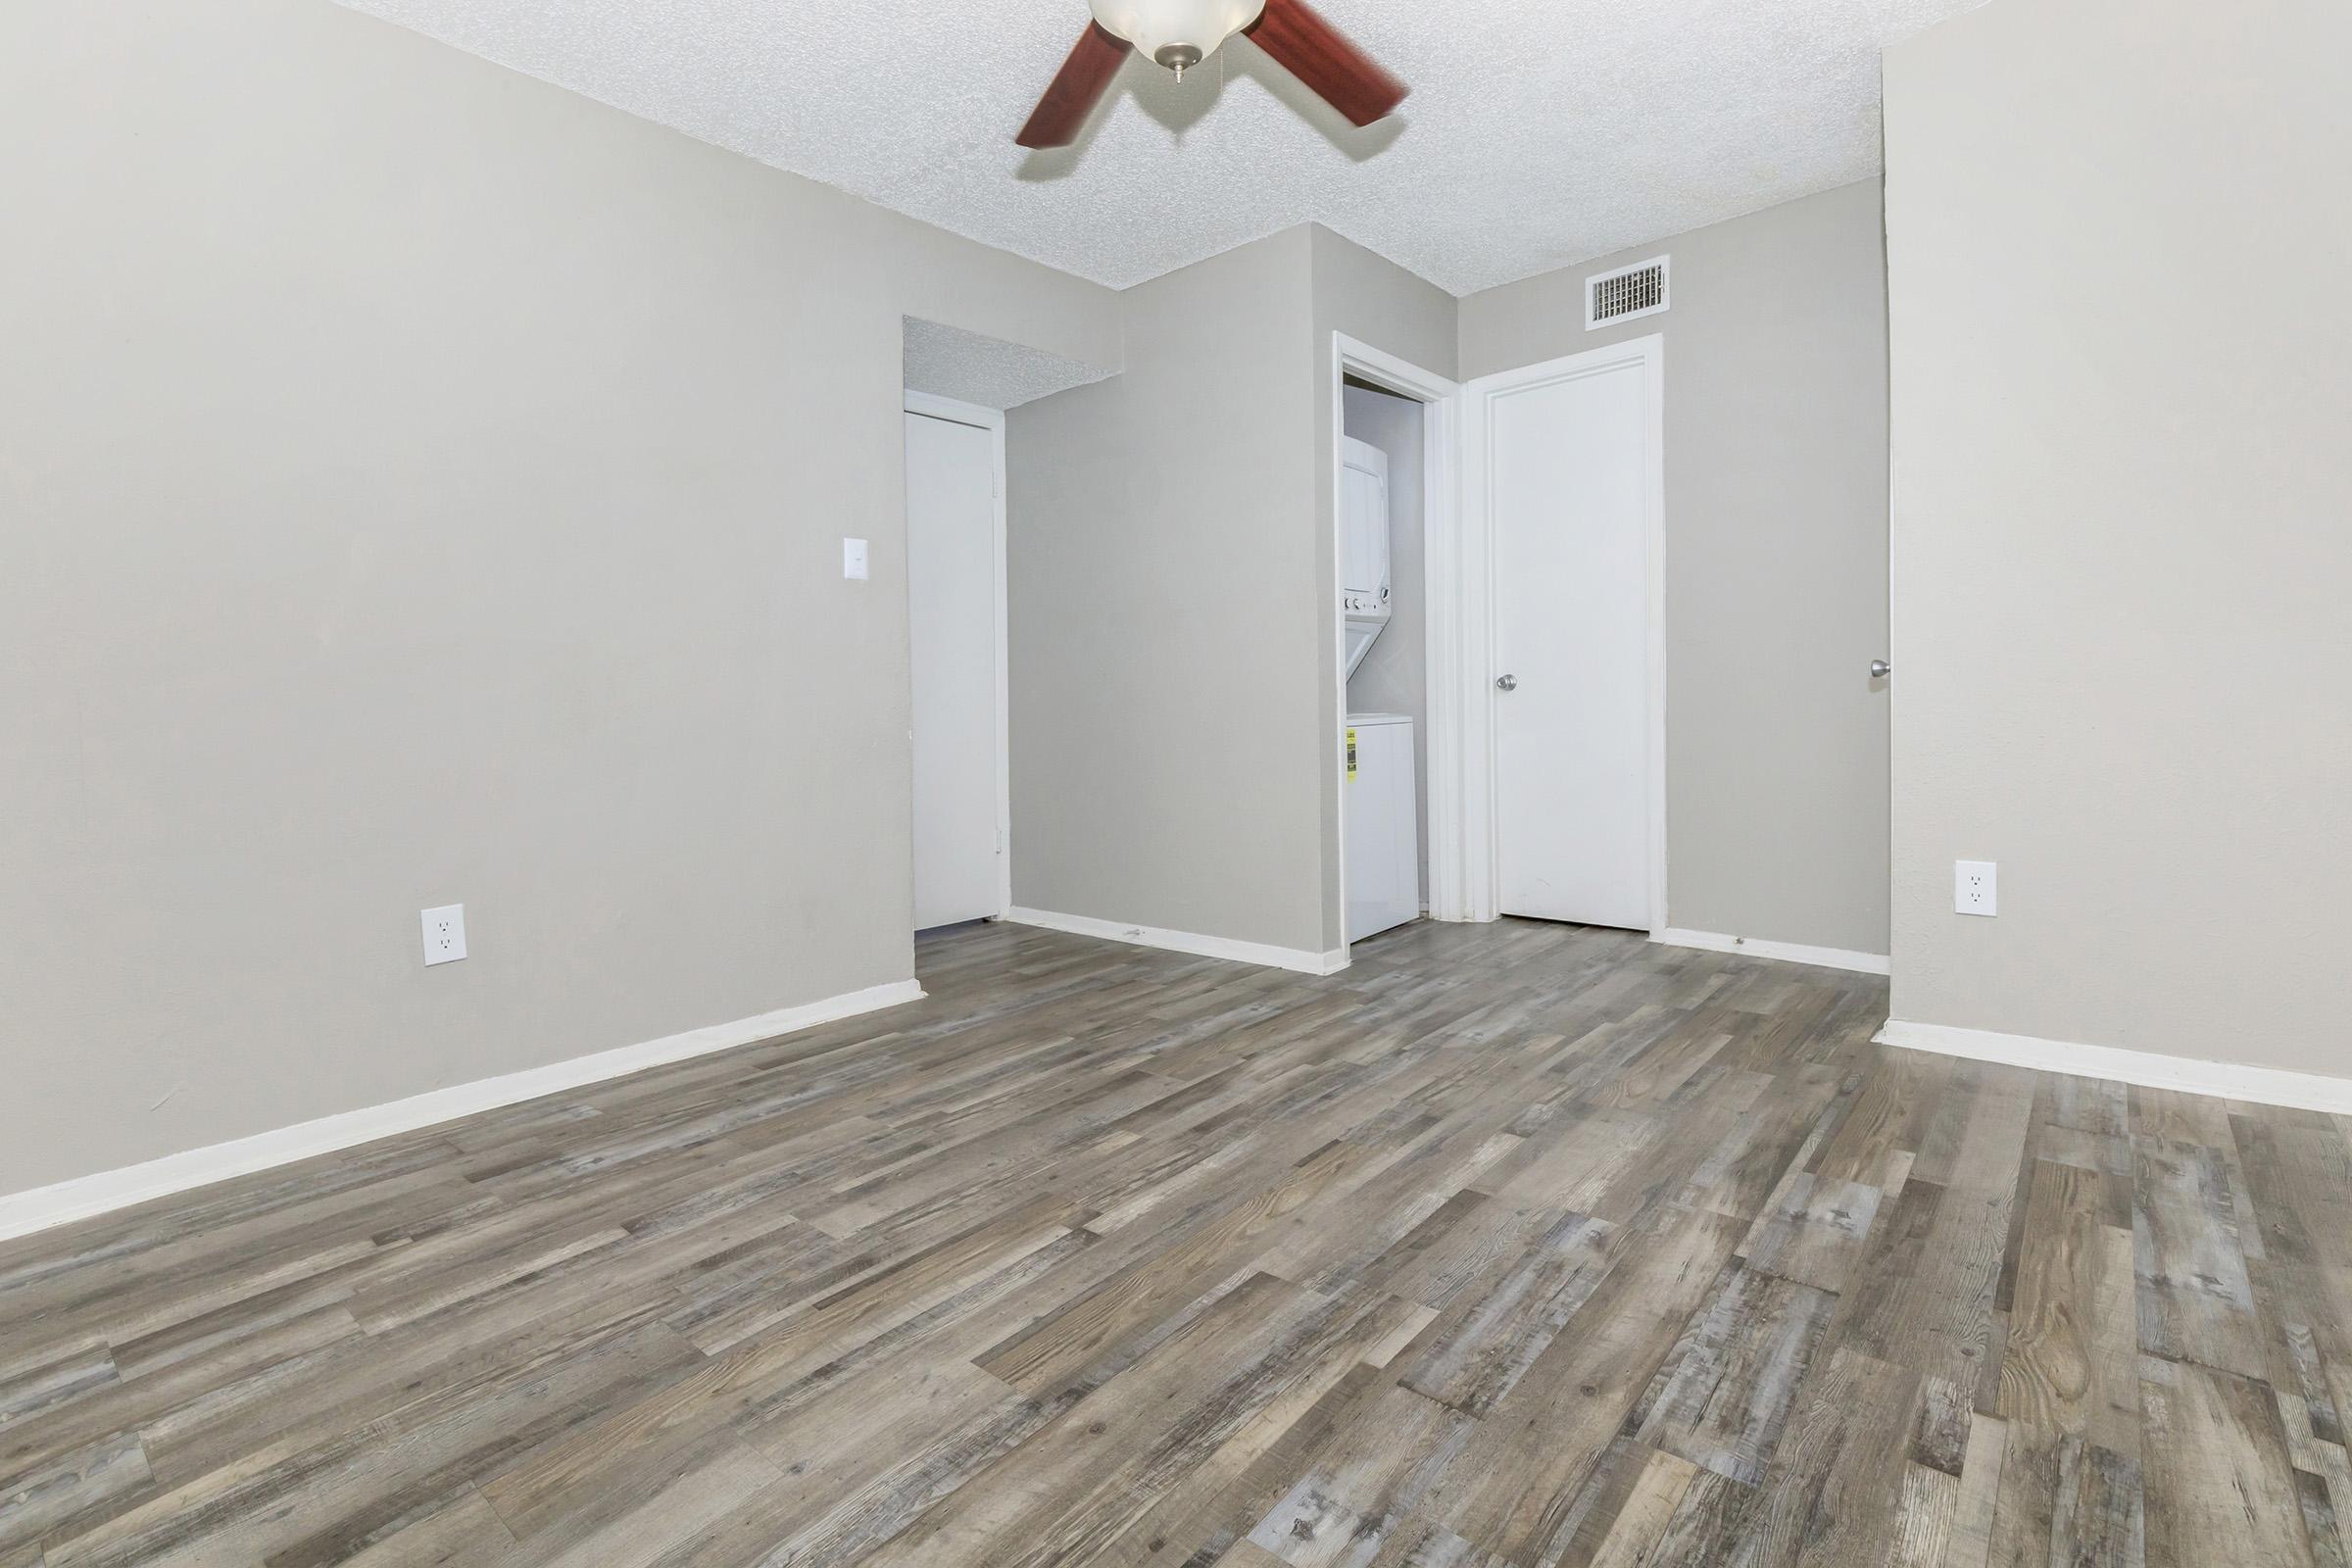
(445, 934)
(852, 560)
(1976, 888)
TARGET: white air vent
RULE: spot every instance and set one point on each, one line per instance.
(1628, 292)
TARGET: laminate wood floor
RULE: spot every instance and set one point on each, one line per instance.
(1513, 1244)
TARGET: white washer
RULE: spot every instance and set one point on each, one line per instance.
(1384, 851)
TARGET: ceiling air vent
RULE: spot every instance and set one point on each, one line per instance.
(1628, 292)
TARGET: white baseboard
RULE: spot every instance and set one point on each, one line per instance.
(2223, 1080)
(21, 1214)
(1149, 936)
(1786, 952)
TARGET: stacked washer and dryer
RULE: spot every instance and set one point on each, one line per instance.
(1384, 874)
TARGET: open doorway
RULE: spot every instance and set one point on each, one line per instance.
(1393, 462)
(958, 387)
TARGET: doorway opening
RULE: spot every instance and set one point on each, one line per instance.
(958, 387)
(1391, 473)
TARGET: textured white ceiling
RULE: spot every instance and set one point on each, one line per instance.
(950, 363)
(1539, 132)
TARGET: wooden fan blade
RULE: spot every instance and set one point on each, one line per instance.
(1320, 56)
(1075, 89)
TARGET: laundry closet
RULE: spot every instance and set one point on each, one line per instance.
(1381, 609)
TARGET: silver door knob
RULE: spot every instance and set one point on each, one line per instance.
(1880, 669)
(1506, 683)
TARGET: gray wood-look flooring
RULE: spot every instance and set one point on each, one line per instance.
(1513, 1244)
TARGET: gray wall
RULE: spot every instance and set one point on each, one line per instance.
(420, 484)
(1776, 556)
(1174, 603)
(1393, 677)
(2123, 545)
(1164, 615)
(1368, 298)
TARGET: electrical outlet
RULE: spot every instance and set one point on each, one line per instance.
(445, 934)
(1976, 888)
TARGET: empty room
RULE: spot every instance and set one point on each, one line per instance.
(1177, 783)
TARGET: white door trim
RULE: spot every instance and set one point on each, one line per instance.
(931, 406)
(1440, 446)
(1464, 872)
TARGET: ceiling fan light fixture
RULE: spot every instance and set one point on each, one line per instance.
(1176, 34)
(1181, 33)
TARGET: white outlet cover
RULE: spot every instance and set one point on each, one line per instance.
(1976, 888)
(445, 934)
(852, 560)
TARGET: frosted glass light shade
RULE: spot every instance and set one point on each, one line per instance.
(1170, 31)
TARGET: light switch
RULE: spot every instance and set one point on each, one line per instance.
(852, 560)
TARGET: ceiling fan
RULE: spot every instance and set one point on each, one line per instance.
(1181, 33)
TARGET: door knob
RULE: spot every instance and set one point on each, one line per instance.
(1880, 669)
(1506, 683)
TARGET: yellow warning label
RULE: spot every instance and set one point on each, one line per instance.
(1351, 756)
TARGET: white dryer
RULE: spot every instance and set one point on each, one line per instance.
(1363, 546)
(1384, 849)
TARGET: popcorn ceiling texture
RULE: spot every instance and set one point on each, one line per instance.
(950, 363)
(1539, 132)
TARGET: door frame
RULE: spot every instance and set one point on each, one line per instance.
(933, 407)
(1464, 850)
(1441, 403)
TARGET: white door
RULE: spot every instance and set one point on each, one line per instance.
(953, 637)
(1571, 467)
